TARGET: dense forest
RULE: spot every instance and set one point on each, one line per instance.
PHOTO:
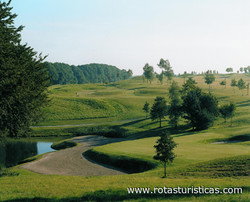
(62, 73)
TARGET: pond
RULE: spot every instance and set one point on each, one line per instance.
(14, 151)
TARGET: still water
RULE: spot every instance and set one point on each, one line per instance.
(44, 147)
(14, 151)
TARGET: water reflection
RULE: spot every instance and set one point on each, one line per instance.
(14, 151)
(44, 147)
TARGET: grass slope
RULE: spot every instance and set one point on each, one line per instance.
(199, 161)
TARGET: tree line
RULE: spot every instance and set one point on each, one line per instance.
(246, 70)
(62, 73)
(199, 108)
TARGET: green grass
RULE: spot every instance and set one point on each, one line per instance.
(63, 145)
(199, 162)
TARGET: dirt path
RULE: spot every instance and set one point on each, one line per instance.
(71, 162)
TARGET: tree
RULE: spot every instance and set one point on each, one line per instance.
(247, 88)
(130, 73)
(233, 84)
(167, 69)
(189, 85)
(24, 79)
(247, 70)
(146, 108)
(160, 77)
(223, 83)
(148, 72)
(241, 85)
(185, 75)
(175, 110)
(209, 78)
(164, 150)
(159, 109)
(230, 69)
(200, 108)
(62, 73)
(241, 69)
(228, 111)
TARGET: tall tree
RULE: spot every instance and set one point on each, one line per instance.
(241, 85)
(209, 78)
(167, 69)
(148, 72)
(24, 78)
(175, 108)
(164, 150)
(159, 109)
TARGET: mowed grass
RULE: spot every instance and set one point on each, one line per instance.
(199, 161)
(85, 103)
(28, 185)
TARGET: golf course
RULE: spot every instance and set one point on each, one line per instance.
(217, 157)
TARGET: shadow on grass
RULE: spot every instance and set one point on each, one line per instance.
(134, 122)
(113, 195)
(112, 85)
(223, 97)
(243, 103)
(137, 88)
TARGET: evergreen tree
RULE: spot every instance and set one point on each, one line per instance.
(175, 109)
(164, 150)
(159, 109)
(190, 84)
(24, 78)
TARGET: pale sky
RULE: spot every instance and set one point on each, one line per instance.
(194, 35)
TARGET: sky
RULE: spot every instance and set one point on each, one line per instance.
(194, 35)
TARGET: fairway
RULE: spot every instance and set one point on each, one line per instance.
(124, 101)
(216, 157)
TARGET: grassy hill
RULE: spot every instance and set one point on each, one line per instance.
(202, 157)
(84, 103)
